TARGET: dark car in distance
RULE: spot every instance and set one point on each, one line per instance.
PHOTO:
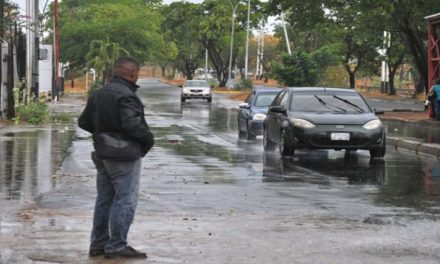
(323, 118)
(253, 111)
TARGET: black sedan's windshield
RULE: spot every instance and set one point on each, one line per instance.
(319, 102)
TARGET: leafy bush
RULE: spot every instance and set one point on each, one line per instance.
(63, 118)
(298, 69)
(34, 113)
(246, 84)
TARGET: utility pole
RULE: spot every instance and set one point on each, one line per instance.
(262, 54)
(29, 49)
(36, 53)
(56, 52)
(257, 71)
(247, 41)
(232, 43)
(2, 11)
(384, 85)
(285, 33)
(206, 61)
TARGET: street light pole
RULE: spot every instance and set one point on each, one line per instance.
(232, 43)
(247, 41)
(29, 49)
(285, 33)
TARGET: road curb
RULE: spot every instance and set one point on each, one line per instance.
(416, 147)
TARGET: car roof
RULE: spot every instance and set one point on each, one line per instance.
(320, 89)
(198, 80)
(265, 90)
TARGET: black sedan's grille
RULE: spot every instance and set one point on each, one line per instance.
(323, 140)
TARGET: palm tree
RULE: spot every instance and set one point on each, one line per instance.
(102, 55)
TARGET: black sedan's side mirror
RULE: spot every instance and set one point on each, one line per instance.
(379, 111)
(278, 109)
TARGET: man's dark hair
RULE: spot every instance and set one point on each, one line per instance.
(121, 61)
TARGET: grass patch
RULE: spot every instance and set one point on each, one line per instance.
(35, 113)
(63, 118)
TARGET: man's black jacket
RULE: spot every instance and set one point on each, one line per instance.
(117, 108)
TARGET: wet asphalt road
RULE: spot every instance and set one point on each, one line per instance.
(207, 197)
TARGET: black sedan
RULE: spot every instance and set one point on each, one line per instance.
(253, 112)
(323, 118)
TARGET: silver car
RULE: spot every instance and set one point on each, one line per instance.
(196, 89)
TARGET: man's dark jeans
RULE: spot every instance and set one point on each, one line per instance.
(117, 184)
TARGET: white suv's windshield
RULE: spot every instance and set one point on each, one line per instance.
(196, 84)
(328, 102)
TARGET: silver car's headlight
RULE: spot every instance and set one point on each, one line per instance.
(259, 117)
(373, 124)
(301, 123)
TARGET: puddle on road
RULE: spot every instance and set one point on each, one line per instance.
(398, 180)
(413, 131)
(29, 161)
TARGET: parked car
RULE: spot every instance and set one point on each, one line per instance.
(253, 111)
(323, 118)
(196, 89)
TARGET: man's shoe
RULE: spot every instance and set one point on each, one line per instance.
(96, 252)
(127, 252)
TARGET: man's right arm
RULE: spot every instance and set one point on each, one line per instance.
(85, 121)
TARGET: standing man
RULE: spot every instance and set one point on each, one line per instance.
(116, 112)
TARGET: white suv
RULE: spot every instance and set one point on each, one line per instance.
(196, 89)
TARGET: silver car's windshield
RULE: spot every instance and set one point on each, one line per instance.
(321, 102)
(197, 84)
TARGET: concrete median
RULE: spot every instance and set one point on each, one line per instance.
(414, 146)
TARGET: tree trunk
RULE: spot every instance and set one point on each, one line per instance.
(418, 50)
(72, 80)
(163, 70)
(10, 83)
(391, 82)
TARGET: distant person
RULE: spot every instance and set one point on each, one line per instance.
(115, 113)
(436, 100)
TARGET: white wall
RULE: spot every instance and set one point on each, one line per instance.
(45, 69)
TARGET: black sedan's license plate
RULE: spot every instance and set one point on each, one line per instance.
(340, 136)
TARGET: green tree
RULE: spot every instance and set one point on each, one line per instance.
(216, 32)
(102, 55)
(134, 25)
(298, 69)
(182, 27)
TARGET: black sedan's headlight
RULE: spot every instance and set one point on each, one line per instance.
(373, 124)
(259, 117)
(302, 123)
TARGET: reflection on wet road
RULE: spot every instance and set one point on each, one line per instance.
(29, 160)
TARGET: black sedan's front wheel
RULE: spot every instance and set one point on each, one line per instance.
(285, 148)
(267, 143)
(379, 152)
